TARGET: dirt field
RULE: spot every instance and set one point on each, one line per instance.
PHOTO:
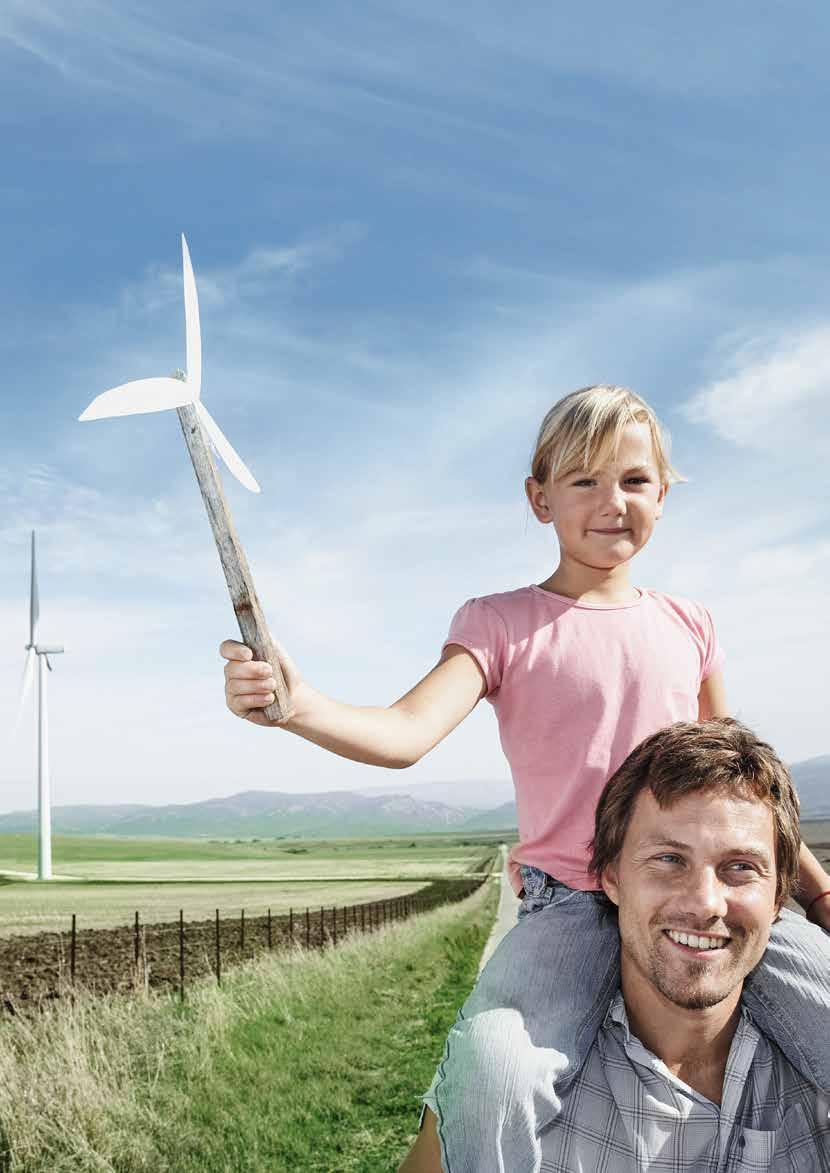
(37, 967)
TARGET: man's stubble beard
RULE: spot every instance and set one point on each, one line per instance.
(690, 996)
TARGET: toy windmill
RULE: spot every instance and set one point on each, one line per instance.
(183, 391)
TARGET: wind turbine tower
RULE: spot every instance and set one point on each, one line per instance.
(41, 653)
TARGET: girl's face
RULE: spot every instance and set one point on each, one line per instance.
(603, 516)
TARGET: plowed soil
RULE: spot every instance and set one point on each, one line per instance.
(37, 969)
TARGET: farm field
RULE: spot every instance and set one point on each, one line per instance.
(294, 1063)
(105, 880)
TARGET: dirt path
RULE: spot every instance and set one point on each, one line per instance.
(506, 915)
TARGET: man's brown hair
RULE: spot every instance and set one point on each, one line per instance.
(717, 755)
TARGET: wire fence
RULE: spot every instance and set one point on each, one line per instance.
(170, 955)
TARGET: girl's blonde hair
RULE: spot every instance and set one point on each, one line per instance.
(583, 431)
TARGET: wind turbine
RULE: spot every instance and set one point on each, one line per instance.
(40, 652)
(182, 391)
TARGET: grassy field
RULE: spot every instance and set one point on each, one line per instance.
(303, 1062)
(106, 879)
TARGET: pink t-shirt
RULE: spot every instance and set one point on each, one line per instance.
(575, 688)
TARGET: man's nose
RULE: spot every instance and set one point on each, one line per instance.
(705, 895)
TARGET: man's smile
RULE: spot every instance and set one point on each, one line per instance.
(696, 943)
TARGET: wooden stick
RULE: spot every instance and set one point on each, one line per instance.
(243, 594)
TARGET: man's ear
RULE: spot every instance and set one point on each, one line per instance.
(538, 501)
(609, 882)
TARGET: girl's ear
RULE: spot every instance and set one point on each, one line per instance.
(661, 500)
(609, 883)
(538, 500)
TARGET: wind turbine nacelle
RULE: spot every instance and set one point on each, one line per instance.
(49, 649)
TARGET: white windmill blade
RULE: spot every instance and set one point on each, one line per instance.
(193, 334)
(34, 600)
(223, 446)
(140, 396)
(26, 684)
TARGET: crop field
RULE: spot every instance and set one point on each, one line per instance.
(105, 880)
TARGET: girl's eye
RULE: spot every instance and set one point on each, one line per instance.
(584, 481)
(638, 481)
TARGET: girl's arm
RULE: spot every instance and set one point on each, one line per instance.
(395, 737)
(812, 878)
(711, 700)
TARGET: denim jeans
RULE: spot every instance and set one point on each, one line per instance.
(529, 1022)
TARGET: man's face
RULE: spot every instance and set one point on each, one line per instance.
(695, 886)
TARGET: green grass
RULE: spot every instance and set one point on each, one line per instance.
(306, 1062)
(19, 851)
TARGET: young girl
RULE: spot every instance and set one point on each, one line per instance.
(579, 669)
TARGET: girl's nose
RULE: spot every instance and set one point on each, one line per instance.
(613, 500)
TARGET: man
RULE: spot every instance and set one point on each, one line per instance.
(696, 844)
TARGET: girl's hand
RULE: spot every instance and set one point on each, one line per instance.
(392, 736)
(250, 684)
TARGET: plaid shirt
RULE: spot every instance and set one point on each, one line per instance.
(626, 1113)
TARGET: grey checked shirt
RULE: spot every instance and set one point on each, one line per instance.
(626, 1113)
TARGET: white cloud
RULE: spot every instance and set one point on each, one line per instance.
(775, 392)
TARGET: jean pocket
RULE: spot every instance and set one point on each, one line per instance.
(538, 890)
(534, 880)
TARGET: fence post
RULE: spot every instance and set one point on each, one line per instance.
(72, 952)
(334, 922)
(242, 932)
(363, 918)
(322, 928)
(218, 953)
(181, 955)
(290, 928)
(307, 928)
(136, 939)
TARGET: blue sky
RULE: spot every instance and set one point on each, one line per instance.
(413, 228)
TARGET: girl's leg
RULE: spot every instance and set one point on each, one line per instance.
(523, 1033)
(788, 995)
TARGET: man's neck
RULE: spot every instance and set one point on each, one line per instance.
(693, 1044)
(591, 584)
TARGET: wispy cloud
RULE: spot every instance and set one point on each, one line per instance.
(775, 393)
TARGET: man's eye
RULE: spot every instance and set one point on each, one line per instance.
(669, 857)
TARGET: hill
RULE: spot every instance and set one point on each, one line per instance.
(272, 814)
(255, 814)
(812, 780)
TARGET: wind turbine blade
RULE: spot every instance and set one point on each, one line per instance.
(138, 397)
(28, 675)
(34, 600)
(193, 334)
(223, 447)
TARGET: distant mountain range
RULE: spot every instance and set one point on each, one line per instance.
(340, 813)
(812, 780)
(258, 814)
